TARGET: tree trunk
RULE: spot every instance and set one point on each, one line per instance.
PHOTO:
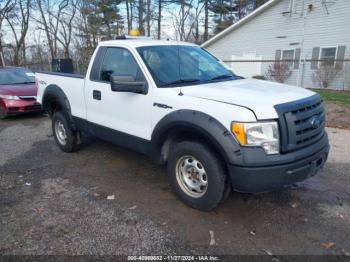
(1, 48)
(182, 25)
(206, 20)
(66, 52)
(141, 11)
(128, 15)
(24, 53)
(16, 56)
(131, 14)
(47, 30)
(148, 17)
(109, 30)
(159, 19)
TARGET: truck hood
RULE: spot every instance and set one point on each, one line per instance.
(258, 95)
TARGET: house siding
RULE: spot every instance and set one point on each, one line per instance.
(271, 30)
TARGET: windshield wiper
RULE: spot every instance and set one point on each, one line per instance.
(221, 77)
(181, 81)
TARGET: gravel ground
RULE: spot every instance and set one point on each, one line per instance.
(56, 203)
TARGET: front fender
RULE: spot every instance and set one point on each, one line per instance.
(203, 124)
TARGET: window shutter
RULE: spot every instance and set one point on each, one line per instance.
(297, 58)
(278, 55)
(340, 56)
(315, 56)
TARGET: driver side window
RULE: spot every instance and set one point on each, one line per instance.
(119, 62)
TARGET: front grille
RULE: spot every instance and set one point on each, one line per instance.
(13, 109)
(301, 122)
(33, 107)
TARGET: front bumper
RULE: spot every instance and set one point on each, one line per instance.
(266, 178)
(21, 106)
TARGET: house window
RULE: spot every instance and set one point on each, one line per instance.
(288, 56)
(328, 55)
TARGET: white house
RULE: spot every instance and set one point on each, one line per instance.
(303, 32)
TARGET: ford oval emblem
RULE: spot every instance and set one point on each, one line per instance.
(315, 122)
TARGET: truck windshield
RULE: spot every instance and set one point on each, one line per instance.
(176, 65)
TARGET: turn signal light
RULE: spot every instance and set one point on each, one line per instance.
(238, 130)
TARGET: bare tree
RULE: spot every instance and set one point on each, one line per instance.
(194, 24)
(186, 20)
(325, 74)
(180, 18)
(279, 72)
(5, 8)
(19, 17)
(38, 54)
(66, 28)
(49, 22)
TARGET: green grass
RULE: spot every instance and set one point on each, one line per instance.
(341, 98)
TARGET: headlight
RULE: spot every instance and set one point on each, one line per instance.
(262, 134)
(8, 97)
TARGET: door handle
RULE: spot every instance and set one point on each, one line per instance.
(96, 94)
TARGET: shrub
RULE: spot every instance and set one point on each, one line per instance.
(279, 72)
(325, 74)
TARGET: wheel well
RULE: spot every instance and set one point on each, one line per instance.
(51, 104)
(173, 136)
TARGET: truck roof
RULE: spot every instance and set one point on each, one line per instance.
(142, 42)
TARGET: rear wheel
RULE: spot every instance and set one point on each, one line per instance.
(197, 175)
(3, 113)
(67, 139)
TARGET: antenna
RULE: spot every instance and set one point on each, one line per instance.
(180, 93)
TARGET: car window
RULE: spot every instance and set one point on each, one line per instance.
(120, 62)
(16, 76)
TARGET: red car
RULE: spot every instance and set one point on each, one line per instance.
(18, 91)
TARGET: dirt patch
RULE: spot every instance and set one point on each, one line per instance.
(55, 203)
(51, 186)
(337, 116)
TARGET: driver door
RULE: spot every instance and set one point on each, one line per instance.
(126, 112)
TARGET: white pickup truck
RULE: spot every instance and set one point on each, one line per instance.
(178, 104)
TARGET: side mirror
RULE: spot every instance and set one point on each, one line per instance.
(128, 84)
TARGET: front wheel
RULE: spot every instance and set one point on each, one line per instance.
(67, 139)
(3, 113)
(197, 175)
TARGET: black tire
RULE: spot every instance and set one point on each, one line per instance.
(216, 177)
(227, 191)
(72, 140)
(3, 114)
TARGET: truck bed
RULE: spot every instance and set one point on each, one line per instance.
(72, 86)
